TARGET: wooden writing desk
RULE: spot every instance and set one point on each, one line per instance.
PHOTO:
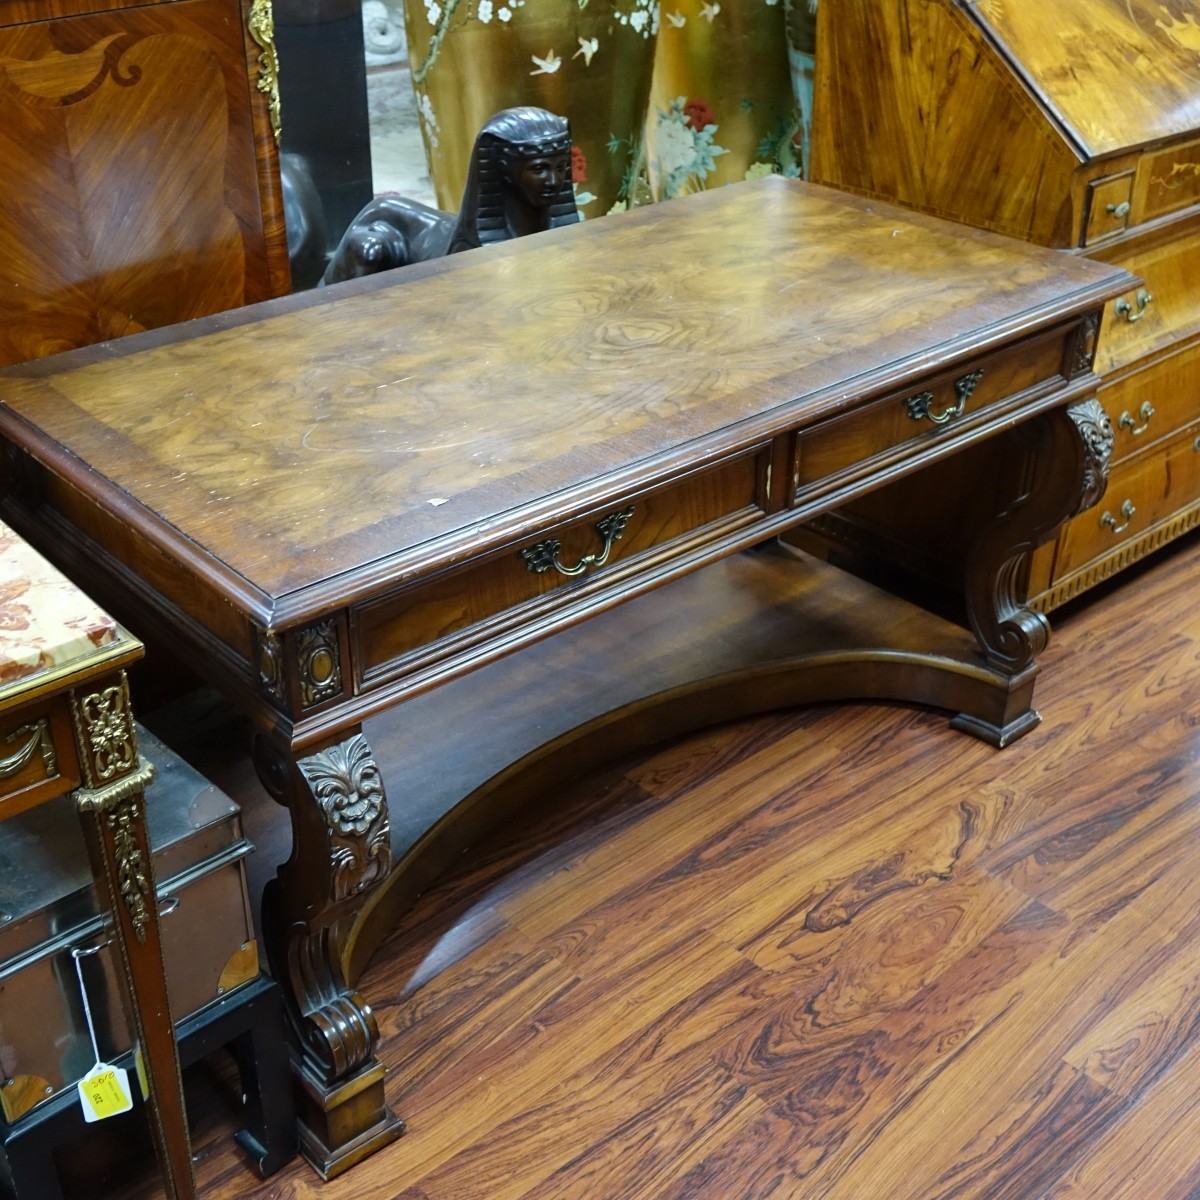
(342, 500)
(66, 727)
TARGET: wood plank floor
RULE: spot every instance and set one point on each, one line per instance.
(838, 952)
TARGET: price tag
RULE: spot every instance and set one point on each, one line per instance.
(104, 1092)
(140, 1063)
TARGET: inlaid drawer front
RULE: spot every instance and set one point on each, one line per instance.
(36, 755)
(1154, 403)
(492, 593)
(1161, 310)
(904, 421)
(1168, 180)
(1109, 202)
(1142, 492)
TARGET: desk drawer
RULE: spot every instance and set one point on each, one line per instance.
(904, 421)
(1142, 492)
(483, 597)
(1153, 403)
(1162, 310)
(1168, 179)
(37, 756)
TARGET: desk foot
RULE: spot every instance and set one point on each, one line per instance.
(996, 735)
(343, 1124)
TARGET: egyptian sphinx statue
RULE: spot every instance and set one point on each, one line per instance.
(519, 182)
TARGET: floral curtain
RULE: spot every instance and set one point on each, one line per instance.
(664, 96)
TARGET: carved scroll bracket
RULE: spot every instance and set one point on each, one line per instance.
(1066, 453)
(342, 836)
(1097, 435)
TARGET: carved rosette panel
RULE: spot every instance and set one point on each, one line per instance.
(1096, 433)
(319, 663)
(104, 725)
(347, 785)
(1084, 353)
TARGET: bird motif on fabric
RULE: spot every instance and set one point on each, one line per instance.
(547, 65)
(587, 47)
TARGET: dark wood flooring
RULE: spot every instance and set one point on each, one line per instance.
(839, 952)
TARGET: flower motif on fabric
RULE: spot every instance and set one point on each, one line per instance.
(685, 155)
(579, 177)
(699, 115)
(428, 119)
(643, 19)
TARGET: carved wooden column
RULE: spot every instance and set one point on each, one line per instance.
(341, 849)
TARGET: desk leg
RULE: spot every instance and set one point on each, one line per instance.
(341, 850)
(1060, 468)
(111, 808)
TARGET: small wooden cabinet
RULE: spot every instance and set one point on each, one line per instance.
(1073, 124)
(141, 183)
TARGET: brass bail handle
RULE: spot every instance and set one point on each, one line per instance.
(1108, 521)
(543, 555)
(920, 407)
(1142, 299)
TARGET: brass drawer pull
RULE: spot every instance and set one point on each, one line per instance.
(1108, 521)
(1124, 309)
(1120, 211)
(918, 406)
(541, 557)
(1126, 421)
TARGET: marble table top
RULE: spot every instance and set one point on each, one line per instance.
(46, 622)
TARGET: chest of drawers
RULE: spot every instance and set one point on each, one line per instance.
(1073, 124)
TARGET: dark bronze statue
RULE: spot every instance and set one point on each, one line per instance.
(519, 182)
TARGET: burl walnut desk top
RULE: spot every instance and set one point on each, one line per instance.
(339, 500)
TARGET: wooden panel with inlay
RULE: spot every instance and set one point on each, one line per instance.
(136, 189)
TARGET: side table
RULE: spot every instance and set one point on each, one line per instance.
(66, 726)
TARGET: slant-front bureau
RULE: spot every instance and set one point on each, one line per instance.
(1069, 123)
